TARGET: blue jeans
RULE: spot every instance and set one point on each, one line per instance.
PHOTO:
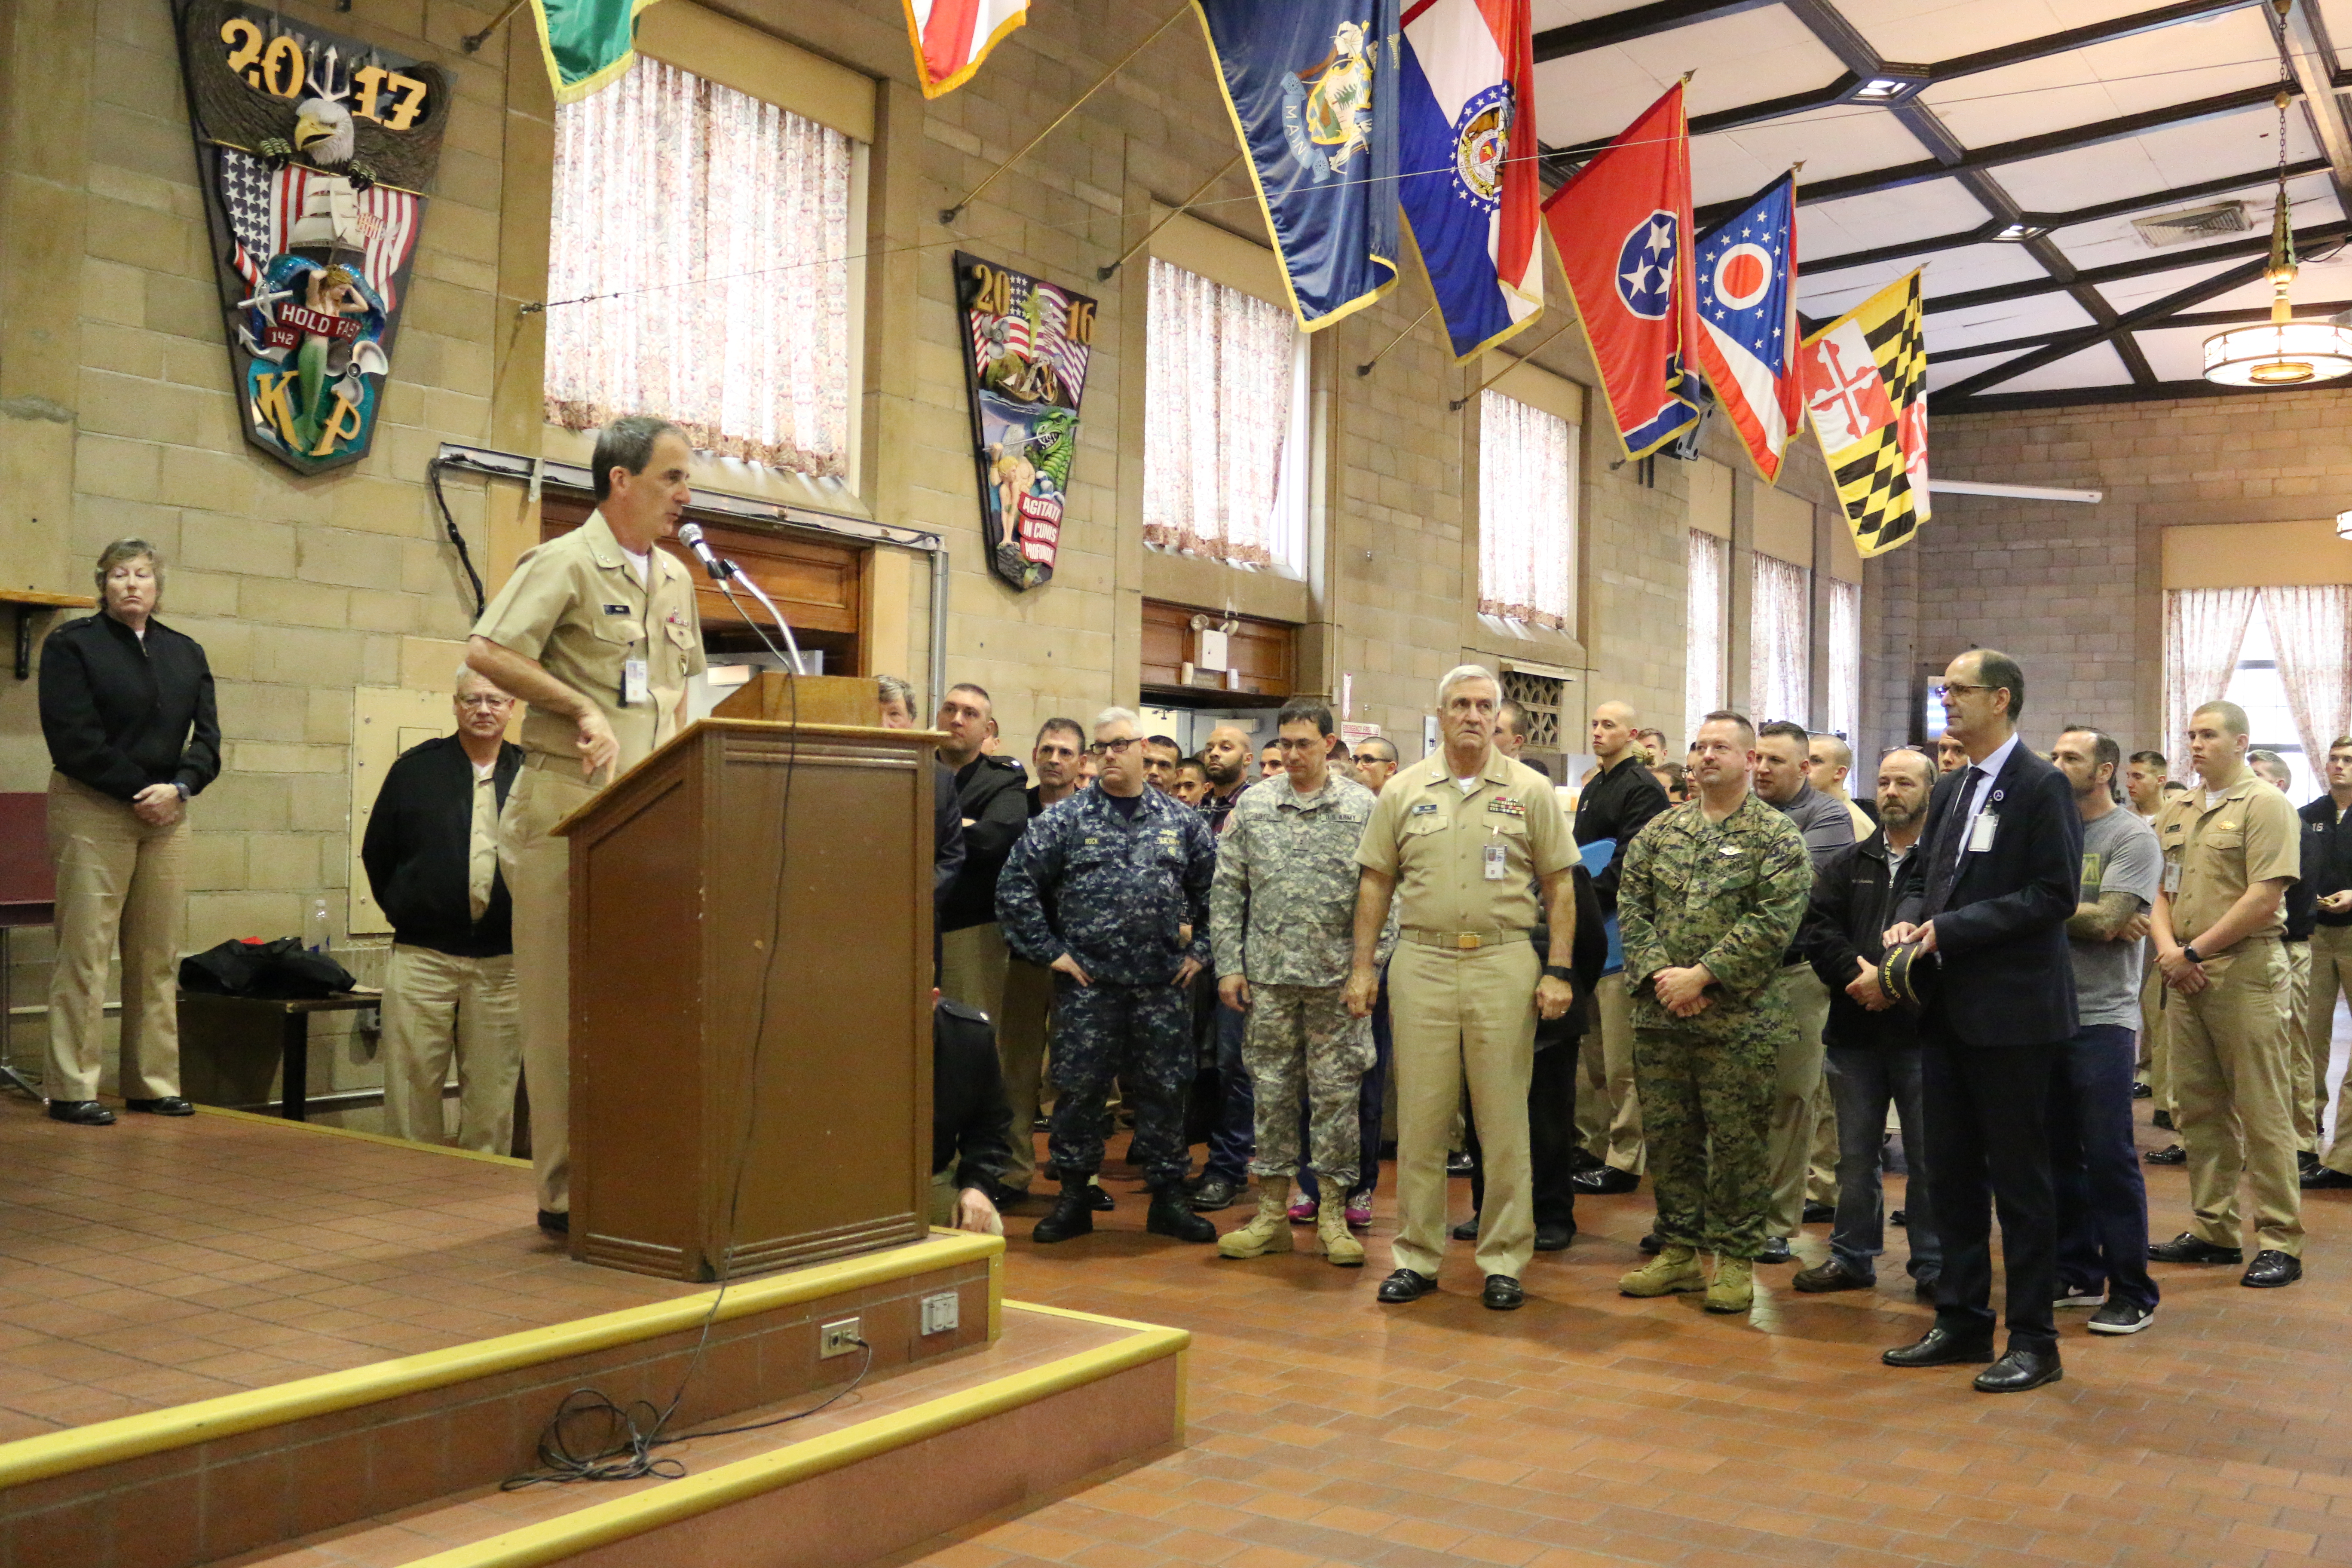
(1862, 1081)
(1233, 1137)
(1375, 1095)
(2095, 1167)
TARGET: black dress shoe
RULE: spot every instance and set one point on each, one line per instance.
(2320, 1177)
(1501, 1294)
(2018, 1370)
(1606, 1181)
(1171, 1215)
(1099, 1199)
(168, 1105)
(1900, 1220)
(2162, 1118)
(1554, 1237)
(1405, 1286)
(1654, 1242)
(2142, 1090)
(2272, 1268)
(1938, 1347)
(1073, 1215)
(1822, 1278)
(2306, 1162)
(2170, 1154)
(1775, 1250)
(80, 1112)
(1213, 1192)
(1467, 1230)
(2189, 1247)
(555, 1222)
(1460, 1164)
(1580, 1158)
(1819, 1214)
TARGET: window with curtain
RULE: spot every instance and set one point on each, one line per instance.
(1224, 443)
(2283, 654)
(1781, 643)
(1846, 659)
(1527, 513)
(699, 268)
(1710, 559)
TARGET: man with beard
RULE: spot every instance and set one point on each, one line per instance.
(1233, 1136)
(1618, 804)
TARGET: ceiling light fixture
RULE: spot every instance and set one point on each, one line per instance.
(2344, 525)
(2281, 352)
(2020, 232)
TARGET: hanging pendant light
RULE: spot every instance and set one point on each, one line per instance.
(2281, 352)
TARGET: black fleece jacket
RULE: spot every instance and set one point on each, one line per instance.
(418, 851)
(119, 715)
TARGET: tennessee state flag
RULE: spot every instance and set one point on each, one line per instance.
(1623, 227)
(1467, 130)
(953, 37)
(1745, 279)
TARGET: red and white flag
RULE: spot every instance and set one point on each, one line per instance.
(953, 37)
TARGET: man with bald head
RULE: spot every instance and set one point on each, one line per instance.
(1618, 803)
(1828, 762)
(1226, 758)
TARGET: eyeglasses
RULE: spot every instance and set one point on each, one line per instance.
(1318, 744)
(1111, 748)
(1943, 689)
(485, 701)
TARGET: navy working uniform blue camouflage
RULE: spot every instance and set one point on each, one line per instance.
(1114, 891)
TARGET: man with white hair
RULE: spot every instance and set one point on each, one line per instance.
(1459, 842)
(1109, 889)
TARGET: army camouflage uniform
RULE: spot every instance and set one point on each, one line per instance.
(1729, 895)
(1282, 913)
(1112, 892)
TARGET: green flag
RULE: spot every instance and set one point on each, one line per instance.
(587, 43)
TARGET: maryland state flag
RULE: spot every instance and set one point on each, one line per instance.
(1622, 227)
(587, 43)
(1866, 381)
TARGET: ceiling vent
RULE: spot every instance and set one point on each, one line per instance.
(2191, 224)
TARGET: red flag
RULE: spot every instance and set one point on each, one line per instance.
(1623, 227)
(953, 37)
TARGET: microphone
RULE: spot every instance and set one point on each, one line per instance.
(691, 535)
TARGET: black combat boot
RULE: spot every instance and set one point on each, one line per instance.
(1073, 1214)
(1171, 1215)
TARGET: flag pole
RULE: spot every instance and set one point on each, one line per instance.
(1102, 274)
(948, 214)
(1366, 368)
(1516, 359)
(472, 42)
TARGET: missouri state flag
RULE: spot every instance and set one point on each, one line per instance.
(1622, 226)
(1466, 138)
(1744, 277)
(953, 37)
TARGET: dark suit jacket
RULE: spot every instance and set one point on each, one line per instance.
(2005, 976)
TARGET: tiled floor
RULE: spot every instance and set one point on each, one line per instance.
(1588, 1428)
(160, 1261)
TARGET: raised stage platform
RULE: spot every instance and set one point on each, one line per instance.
(234, 1338)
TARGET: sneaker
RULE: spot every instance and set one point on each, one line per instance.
(1304, 1211)
(1674, 1270)
(2121, 1317)
(1359, 1209)
(2076, 1296)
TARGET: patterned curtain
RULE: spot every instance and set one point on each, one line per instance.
(1217, 396)
(1846, 659)
(2310, 634)
(705, 237)
(1527, 517)
(1703, 652)
(1780, 644)
(2204, 630)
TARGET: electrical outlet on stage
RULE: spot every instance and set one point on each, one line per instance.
(940, 1313)
(837, 1337)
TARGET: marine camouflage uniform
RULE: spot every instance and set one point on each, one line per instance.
(1112, 892)
(1282, 914)
(1729, 895)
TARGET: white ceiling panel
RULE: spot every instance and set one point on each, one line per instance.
(2316, 282)
(2155, 161)
(1740, 59)
(2337, 15)
(2133, 292)
(1941, 373)
(1929, 208)
(1828, 141)
(2111, 240)
(1560, 13)
(2083, 86)
(1947, 272)
(1929, 30)
(2035, 316)
(2177, 353)
(2098, 366)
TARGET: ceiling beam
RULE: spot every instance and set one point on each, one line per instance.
(2184, 319)
(2142, 267)
(2084, 38)
(1639, 22)
(2074, 396)
(1985, 231)
(2155, 311)
(2303, 33)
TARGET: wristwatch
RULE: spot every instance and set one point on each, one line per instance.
(2188, 950)
(1558, 972)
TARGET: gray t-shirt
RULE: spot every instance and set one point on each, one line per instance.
(2119, 855)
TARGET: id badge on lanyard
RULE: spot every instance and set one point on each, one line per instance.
(636, 689)
(1981, 832)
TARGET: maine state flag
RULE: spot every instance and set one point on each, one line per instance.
(1467, 142)
(1312, 87)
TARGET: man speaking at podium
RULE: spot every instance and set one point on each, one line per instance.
(597, 631)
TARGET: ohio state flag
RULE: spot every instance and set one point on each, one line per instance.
(953, 37)
(1623, 227)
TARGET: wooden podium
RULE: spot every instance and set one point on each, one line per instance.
(751, 982)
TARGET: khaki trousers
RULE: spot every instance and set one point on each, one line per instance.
(117, 876)
(2152, 1018)
(972, 965)
(2331, 976)
(2233, 1074)
(1021, 1034)
(436, 1006)
(1822, 1161)
(1796, 1078)
(2309, 1085)
(1609, 1109)
(538, 867)
(1456, 1018)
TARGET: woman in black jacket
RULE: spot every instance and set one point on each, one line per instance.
(127, 710)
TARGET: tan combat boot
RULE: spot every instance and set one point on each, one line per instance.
(1732, 1288)
(1339, 1249)
(1268, 1230)
(1674, 1270)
